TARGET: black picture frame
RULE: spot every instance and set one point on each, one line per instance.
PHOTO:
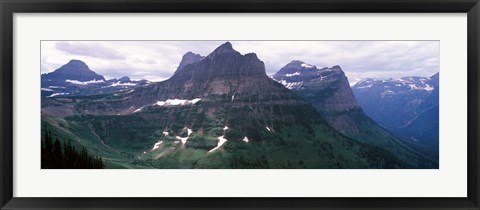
(10, 7)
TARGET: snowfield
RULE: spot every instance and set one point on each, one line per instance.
(76, 82)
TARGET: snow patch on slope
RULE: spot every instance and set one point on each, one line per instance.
(305, 65)
(294, 74)
(137, 110)
(122, 84)
(183, 140)
(58, 94)
(177, 102)
(221, 141)
(76, 82)
(156, 145)
(290, 85)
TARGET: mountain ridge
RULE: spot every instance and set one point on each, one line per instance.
(410, 97)
(221, 111)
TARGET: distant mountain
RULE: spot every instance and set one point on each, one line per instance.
(76, 78)
(221, 111)
(328, 90)
(74, 70)
(407, 106)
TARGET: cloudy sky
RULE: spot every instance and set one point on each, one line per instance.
(157, 60)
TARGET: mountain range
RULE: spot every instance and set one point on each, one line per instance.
(328, 90)
(223, 111)
(76, 78)
(408, 107)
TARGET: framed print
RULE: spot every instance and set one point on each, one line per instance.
(239, 105)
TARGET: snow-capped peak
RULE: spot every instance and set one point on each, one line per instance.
(405, 83)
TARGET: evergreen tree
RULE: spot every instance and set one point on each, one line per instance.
(57, 156)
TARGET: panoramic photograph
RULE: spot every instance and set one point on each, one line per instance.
(231, 104)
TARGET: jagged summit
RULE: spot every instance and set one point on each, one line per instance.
(226, 73)
(337, 68)
(189, 58)
(224, 61)
(327, 89)
(227, 46)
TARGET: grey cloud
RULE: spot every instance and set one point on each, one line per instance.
(93, 49)
(359, 59)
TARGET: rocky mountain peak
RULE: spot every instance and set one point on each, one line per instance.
(294, 63)
(327, 89)
(76, 62)
(74, 65)
(73, 70)
(226, 49)
(224, 61)
(336, 68)
(300, 65)
(227, 46)
(125, 79)
(189, 58)
(223, 73)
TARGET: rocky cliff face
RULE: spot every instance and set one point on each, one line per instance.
(222, 89)
(224, 80)
(326, 88)
(224, 75)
